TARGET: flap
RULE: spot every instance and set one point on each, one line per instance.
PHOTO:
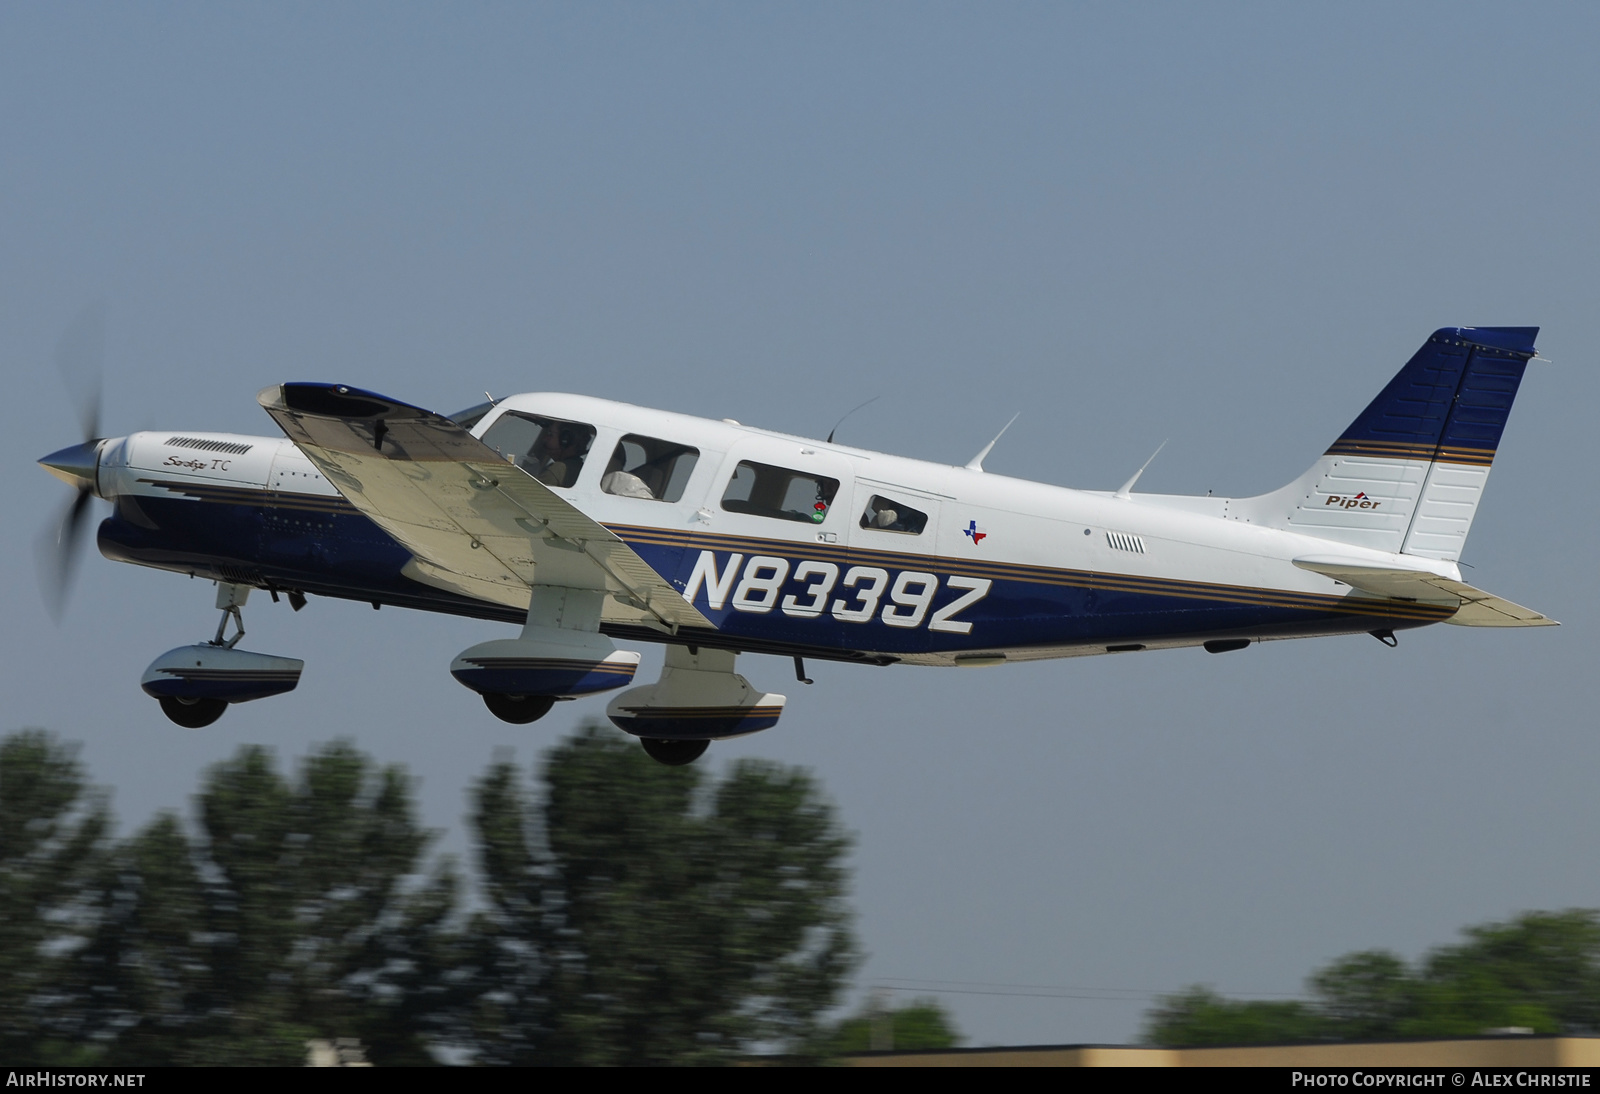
(475, 523)
(1478, 608)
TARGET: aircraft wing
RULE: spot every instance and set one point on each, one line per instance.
(1478, 608)
(474, 523)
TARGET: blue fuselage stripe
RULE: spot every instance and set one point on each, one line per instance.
(332, 550)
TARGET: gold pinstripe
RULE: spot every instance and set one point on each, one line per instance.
(1407, 450)
(551, 664)
(826, 552)
(244, 495)
(1044, 575)
(704, 712)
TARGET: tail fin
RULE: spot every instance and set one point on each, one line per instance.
(1408, 473)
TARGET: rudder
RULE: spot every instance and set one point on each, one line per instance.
(1408, 473)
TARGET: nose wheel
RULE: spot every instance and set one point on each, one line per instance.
(192, 713)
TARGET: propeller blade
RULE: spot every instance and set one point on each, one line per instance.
(80, 358)
(58, 552)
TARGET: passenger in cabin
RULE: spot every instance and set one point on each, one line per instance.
(892, 516)
(649, 468)
(624, 484)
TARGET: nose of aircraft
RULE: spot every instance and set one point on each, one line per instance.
(76, 466)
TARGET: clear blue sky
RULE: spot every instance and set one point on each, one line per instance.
(1226, 225)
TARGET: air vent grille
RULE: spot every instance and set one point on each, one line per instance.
(1122, 541)
(231, 447)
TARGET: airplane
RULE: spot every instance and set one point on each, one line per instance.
(584, 521)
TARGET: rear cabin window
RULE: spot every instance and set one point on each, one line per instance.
(887, 515)
(766, 491)
(645, 467)
(550, 449)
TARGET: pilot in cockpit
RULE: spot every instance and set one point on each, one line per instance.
(557, 456)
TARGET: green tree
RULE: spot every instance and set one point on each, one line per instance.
(1201, 1017)
(1539, 972)
(298, 913)
(51, 836)
(510, 944)
(920, 1024)
(649, 919)
(1366, 996)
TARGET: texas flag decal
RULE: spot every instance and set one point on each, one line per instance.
(971, 531)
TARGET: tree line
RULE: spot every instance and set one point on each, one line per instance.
(1538, 973)
(625, 913)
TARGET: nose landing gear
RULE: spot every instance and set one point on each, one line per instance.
(195, 684)
(192, 713)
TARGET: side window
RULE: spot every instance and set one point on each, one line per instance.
(888, 515)
(644, 467)
(768, 491)
(549, 449)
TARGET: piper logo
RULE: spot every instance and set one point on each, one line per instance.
(1359, 501)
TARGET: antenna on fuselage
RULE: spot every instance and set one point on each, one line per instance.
(976, 463)
(840, 422)
(1126, 490)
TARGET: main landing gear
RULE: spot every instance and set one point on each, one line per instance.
(699, 699)
(664, 750)
(561, 654)
(195, 684)
(519, 710)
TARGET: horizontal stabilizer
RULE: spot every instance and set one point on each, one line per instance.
(1478, 608)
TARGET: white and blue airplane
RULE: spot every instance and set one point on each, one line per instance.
(585, 521)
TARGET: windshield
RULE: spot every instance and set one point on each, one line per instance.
(471, 416)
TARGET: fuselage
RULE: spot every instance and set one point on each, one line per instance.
(787, 545)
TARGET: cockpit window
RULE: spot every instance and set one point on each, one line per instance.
(644, 467)
(549, 449)
(471, 416)
(768, 491)
(888, 515)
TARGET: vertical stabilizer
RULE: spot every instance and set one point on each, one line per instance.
(1408, 473)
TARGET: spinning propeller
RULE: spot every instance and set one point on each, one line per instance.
(79, 359)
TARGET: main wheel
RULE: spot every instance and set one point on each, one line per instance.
(192, 713)
(518, 709)
(673, 753)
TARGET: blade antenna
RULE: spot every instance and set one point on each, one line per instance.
(976, 463)
(1125, 491)
(840, 422)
